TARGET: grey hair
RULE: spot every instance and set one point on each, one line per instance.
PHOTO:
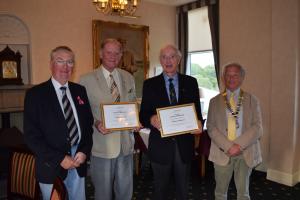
(239, 66)
(61, 48)
(178, 53)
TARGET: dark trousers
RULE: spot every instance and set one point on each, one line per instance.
(162, 174)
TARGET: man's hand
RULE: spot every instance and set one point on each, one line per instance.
(101, 128)
(79, 158)
(155, 122)
(138, 128)
(234, 150)
(68, 162)
(199, 130)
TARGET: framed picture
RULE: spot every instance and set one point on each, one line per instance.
(176, 120)
(120, 116)
(135, 41)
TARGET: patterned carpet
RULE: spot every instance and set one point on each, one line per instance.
(199, 188)
(203, 188)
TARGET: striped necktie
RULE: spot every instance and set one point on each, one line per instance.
(114, 89)
(172, 93)
(70, 119)
(231, 119)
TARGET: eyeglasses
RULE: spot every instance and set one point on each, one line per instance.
(165, 57)
(61, 63)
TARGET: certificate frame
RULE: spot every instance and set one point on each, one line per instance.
(183, 115)
(122, 113)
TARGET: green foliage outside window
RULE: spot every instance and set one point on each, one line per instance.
(205, 76)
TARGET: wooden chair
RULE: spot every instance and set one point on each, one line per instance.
(21, 182)
(139, 149)
(59, 191)
(202, 147)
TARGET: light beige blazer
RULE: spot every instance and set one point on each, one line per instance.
(109, 145)
(248, 140)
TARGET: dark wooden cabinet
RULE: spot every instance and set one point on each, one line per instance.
(11, 101)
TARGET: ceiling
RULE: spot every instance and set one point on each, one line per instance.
(171, 2)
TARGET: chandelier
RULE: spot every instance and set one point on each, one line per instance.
(124, 8)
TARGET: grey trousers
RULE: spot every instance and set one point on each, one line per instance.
(223, 175)
(112, 178)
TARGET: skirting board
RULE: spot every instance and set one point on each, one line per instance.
(283, 178)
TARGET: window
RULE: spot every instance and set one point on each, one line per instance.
(200, 58)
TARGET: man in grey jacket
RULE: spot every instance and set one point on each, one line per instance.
(112, 151)
(235, 126)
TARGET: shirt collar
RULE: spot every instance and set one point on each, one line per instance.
(236, 92)
(166, 77)
(106, 73)
(57, 85)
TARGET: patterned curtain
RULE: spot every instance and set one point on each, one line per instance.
(182, 18)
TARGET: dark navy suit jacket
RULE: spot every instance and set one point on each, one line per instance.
(155, 96)
(46, 132)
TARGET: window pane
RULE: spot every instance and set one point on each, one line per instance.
(199, 30)
(203, 69)
(200, 62)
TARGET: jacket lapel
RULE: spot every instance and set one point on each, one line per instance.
(162, 90)
(181, 87)
(54, 102)
(246, 109)
(122, 89)
(74, 95)
(222, 118)
(102, 84)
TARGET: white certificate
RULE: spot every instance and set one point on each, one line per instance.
(120, 116)
(177, 120)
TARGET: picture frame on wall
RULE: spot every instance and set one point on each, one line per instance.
(135, 42)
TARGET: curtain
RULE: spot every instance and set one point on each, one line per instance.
(213, 16)
(182, 18)
(183, 40)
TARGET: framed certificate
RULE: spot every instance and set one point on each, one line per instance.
(120, 116)
(176, 120)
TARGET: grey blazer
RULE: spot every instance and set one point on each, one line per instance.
(109, 145)
(248, 140)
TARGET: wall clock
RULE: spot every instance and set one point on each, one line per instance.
(10, 69)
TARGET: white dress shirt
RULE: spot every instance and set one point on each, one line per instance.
(58, 91)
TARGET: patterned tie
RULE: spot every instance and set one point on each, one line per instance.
(173, 99)
(116, 96)
(114, 89)
(69, 116)
(231, 119)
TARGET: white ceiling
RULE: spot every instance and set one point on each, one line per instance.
(171, 2)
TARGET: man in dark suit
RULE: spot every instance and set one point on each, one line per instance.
(170, 154)
(58, 127)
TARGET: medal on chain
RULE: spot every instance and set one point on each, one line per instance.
(238, 107)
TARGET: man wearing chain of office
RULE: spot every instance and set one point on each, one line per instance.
(235, 126)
